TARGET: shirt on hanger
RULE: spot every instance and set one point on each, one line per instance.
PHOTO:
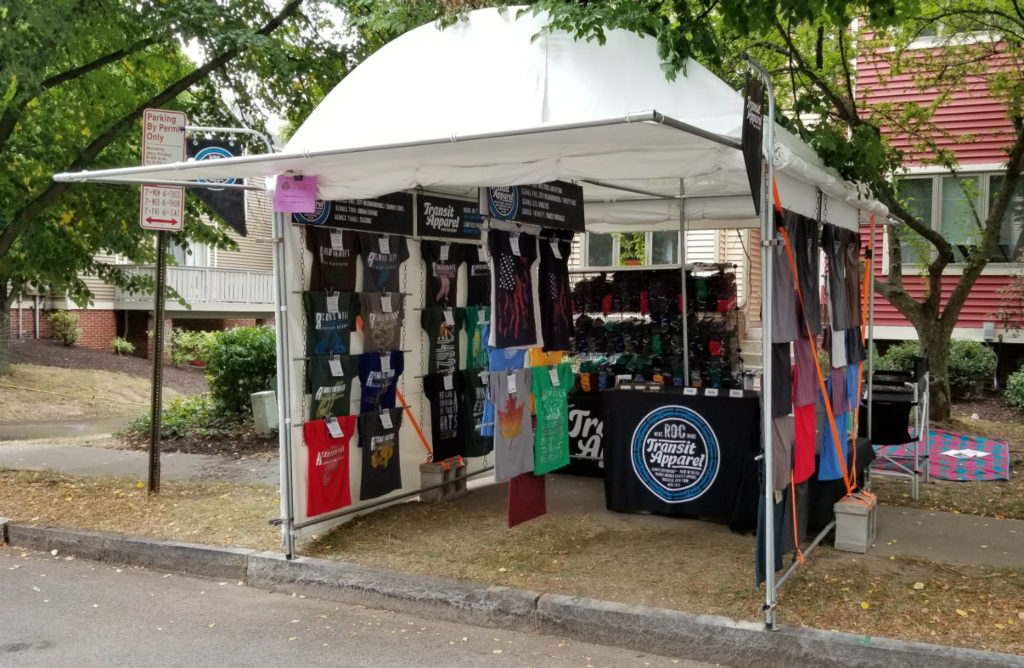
(382, 255)
(551, 387)
(442, 327)
(477, 444)
(329, 381)
(383, 317)
(476, 347)
(329, 321)
(334, 258)
(327, 472)
(442, 260)
(513, 429)
(833, 242)
(378, 377)
(478, 277)
(446, 392)
(499, 359)
(378, 441)
(803, 237)
(513, 317)
(555, 295)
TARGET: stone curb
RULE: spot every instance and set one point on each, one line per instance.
(653, 630)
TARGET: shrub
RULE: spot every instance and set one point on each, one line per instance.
(241, 361)
(122, 347)
(1015, 389)
(187, 345)
(900, 356)
(971, 364)
(65, 326)
(195, 415)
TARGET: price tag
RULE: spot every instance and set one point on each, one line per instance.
(385, 302)
(385, 245)
(333, 428)
(711, 392)
(514, 242)
(485, 377)
(555, 249)
(736, 394)
(334, 362)
(481, 255)
(449, 317)
(690, 391)
(385, 362)
(448, 384)
(623, 378)
(512, 383)
(385, 419)
(332, 303)
(553, 375)
(445, 248)
(337, 240)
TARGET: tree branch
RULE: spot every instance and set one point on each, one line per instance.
(89, 153)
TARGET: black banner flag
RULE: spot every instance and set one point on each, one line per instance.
(751, 139)
(227, 203)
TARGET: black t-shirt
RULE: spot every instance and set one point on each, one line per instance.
(382, 470)
(442, 260)
(329, 320)
(782, 380)
(378, 378)
(329, 380)
(383, 255)
(473, 402)
(514, 323)
(334, 258)
(442, 338)
(383, 316)
(555, 294)
(478, 277)
(803, 237)
(834, 245)
(446, 392)
(853, 276)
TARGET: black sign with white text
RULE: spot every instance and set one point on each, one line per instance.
(586, 434)
(751, 137)
(388, 214)
(228, 203)
(556, 204)
(446, 218)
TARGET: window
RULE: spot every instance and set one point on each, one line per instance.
(188, 255)
(632, 248)
(953, 207)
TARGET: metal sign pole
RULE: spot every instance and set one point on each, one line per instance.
(156, 403)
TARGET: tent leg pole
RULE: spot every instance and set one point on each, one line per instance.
(284, 431)
(684, 305)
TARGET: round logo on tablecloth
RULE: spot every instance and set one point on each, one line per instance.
(318, 216)
(675, 454)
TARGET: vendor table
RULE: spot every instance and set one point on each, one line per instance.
(682, 454)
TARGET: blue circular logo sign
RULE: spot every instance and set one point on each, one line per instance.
(675, 454)
(318, 216)
(214, 153)
(503, 201)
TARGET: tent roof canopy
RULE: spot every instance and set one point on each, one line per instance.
(496, 100)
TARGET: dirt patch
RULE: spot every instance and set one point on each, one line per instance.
(238, 439)
(43, 393)
(42, 352)
(991, 408)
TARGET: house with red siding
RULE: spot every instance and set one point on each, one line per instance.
(975, 127)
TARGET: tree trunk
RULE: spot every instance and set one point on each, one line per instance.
(6, 299)
(936, 343)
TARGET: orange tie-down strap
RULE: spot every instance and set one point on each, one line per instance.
(408, 411)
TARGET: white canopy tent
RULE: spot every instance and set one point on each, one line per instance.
(496, 100)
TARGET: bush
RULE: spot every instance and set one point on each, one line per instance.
(195, 415)
(971, 364)
(1015, 389)
(241, 361)
(899, 357)
(187, 345)
(65, 326)
(122, 347)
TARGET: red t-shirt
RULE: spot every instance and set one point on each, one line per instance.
(327, 478)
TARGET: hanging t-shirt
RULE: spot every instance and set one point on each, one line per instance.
(476, 345)
(334, 258)
(831, 468)
(851, 255)
(383, 255)
(555, 294)
(785, 322)
(442, 260)
(837, 390)
(477, 443)
(526, 498)
(538, 357)
(499, 359)
(833, 243)
(803, 237)
(513, 318)
(383, 317)
(327, 485)
(329, 320)
(382, 469)
(804, 444)
(478, 272)
(378, 377)
(329, 380)
(782, 451)
(442, 327)
(852, 387)
(837, 339)
(513, 432)
(446, 392)
(782, 380)
(855, 353)
(551, 387)
(805, 383)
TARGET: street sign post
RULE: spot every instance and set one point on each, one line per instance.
(162, 208)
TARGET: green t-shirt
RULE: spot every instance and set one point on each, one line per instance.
(551, 442)
(476, 348)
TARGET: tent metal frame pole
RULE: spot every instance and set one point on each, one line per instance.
(871, 332)
(767, 242)
(683, 304)
(284, 432)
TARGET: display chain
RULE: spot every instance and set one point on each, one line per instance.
(305, 280)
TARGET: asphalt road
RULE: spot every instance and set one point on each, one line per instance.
(59, 611)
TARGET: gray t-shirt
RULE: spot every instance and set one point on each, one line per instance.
(383, 315)
(513, 426)
(785, 322)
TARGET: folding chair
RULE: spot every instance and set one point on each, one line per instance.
(894, 396)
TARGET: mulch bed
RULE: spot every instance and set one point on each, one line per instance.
(992, 407)
(45, 352)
